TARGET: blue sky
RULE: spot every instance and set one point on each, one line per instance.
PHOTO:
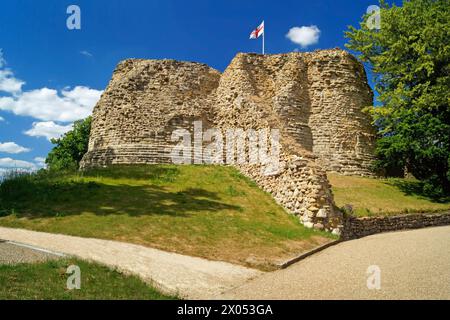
(52, 75)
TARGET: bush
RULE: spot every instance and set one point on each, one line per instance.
(70, 149)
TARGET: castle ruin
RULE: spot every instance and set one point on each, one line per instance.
(314, 99)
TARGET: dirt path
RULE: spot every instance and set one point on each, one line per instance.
(189, 277)
(413, 264)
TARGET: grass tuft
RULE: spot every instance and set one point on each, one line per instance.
(372, 197)
(48, 281)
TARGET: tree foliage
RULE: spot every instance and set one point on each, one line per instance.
(69, 149)
(409, 57)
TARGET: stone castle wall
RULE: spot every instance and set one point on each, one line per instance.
(314, 99)
(342, 134)
(358, 227)
(145, 101)
(317, 98)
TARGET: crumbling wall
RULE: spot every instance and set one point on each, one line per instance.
(358, 227)
(314, 99)
(317, 97)
(145, 101)
(342, 134)
(257, 92)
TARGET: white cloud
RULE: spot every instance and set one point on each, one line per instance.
(10, 163)
(40, 162)
(11, 147)
(48, 129)
(8, 83)
(48, 105)
(2, 119)
(86, 53)
(304, 36)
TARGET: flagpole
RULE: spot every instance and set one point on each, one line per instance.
(264, 35)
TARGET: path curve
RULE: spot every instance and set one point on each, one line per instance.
(188, 277)
(413, 264)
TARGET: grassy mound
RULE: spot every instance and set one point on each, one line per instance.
(47, 281)
(208, 211)
(369, 196)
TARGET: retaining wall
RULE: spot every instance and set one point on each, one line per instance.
(357, 227)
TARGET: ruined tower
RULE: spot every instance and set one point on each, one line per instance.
(314, 99)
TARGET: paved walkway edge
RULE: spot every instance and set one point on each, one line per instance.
(172, 273)
(24, 245)
(290, 262)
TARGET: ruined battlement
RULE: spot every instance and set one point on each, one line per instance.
(315, 100)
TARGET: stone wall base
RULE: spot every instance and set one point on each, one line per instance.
(358, 227)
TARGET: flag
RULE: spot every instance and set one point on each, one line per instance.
(258, 31)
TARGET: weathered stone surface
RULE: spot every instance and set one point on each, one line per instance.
(145, 101)
(314, 99)
(357, 227)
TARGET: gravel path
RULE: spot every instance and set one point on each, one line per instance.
(12, 254)
(172, 273)
(413, 264)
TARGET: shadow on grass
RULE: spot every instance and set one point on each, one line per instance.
(154, 173)
(33, 197)
(415, 188)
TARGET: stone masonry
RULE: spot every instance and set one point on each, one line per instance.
(314, 99)
(358, 227)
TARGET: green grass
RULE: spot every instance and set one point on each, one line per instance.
(370, 196)
(207, 211)
(47, 281)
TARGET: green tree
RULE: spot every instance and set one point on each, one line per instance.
(409, 57)
(69, 149)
